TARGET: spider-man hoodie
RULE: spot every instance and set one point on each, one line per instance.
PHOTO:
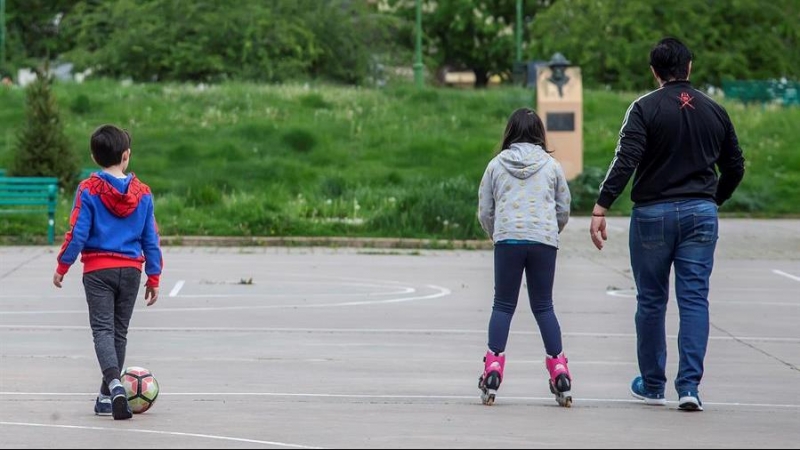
(114, 226)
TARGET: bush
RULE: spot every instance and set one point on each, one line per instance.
(81, 105)
(300, 140)
(446, 209)
(333, 187)
(314, 101)
(273, 41)
(585, 189)
(203, 196)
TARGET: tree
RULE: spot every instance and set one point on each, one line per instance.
(272, 41)
(731, 39)
(33, 28)
(43, 149)
(152, 40)
(478, 34)
(349, 36)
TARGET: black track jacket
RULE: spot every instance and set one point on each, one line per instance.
(675, 138)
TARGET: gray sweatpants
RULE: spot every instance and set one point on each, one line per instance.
(111, 295)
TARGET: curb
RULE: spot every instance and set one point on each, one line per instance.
(336, 242)
(331, 242)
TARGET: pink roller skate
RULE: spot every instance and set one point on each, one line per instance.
(560, 380)
(492, 376)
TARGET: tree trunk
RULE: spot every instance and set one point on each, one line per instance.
(481, 78)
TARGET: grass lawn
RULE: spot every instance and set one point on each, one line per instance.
(255, 160)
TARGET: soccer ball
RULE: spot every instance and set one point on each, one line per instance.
(142, 388)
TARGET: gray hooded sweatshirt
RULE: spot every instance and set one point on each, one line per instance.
(524, 196)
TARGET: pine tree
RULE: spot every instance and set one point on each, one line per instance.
(43, 149)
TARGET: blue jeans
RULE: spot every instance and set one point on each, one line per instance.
(538, 261)
(683, 234)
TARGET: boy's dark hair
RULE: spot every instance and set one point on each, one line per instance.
(108, 145)
(670, 59)
(524, 125)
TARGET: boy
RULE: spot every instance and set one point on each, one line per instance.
(113, 226)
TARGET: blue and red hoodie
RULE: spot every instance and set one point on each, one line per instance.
(113, 226)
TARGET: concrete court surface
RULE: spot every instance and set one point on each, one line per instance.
(343, 348)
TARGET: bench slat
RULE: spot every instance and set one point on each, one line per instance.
(8, 199)
(27, 180)
(17, 188)
(25, 203)
(15, 212)
(14, 182)
(23, 194)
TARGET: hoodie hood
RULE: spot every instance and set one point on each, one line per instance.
(523, 160)
(121, 196)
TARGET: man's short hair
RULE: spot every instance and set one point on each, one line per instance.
(670, 59)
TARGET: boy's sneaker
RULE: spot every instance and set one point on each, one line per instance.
(638, 390)
(119, 402)
(102, 406)
(690, 401)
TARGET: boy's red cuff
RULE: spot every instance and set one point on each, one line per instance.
(62, 269)
(153, 281)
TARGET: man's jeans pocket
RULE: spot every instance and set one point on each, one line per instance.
(651, 232)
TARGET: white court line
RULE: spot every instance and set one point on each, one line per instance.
(307, 360)
(372, 331)
(162, 433)
(384, 285)
(443, 292)
(177, 289)
(404, 291)
(787, 275)
(755, 304)
(631, 293)
(392, 397)
(623, 293)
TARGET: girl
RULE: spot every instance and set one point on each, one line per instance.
(524, 205)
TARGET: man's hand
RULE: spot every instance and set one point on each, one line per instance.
(598, 227)
(58, 280)
(151, 295)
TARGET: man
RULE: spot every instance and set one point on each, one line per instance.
(674, 138)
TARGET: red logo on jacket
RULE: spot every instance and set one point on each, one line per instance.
(686, 100)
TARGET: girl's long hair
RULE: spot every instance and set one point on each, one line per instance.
(524, 126)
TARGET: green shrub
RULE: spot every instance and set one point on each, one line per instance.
(315, 101)
(81, 104)
(203, 196)
(300, 140)
(585, 189)
(446, 209)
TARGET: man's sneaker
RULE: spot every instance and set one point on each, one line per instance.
(690, 401)
(102, 406)
(638, 390)
(119, 402)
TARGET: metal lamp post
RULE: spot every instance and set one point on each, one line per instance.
(2, 33)
(519, 32)
(418, 66)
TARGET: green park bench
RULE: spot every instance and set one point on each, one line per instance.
(758, 91)
(22, 195)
